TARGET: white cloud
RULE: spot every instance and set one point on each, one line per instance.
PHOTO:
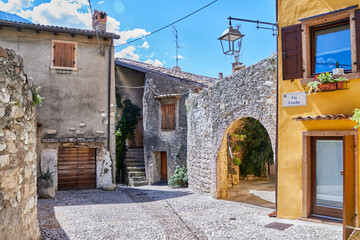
(155, 63)
(180, 57)
(131, 34)
(101, 2)
(13, 5)
(128, 52)
(151, 55)
(67, 13)
(145, 45)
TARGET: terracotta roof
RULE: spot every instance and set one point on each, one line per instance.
(323, 117)
(146, 68)
(57, 29)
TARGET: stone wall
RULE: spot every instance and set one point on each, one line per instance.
(250, 92)
(157, 140)
(18, 198)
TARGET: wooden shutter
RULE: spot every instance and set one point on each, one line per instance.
(357, 34)
(292, 52)
(168, 116)
(64, 54)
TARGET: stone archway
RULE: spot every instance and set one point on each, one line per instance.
(222, 158)
(250, 92)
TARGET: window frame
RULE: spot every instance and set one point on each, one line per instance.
(53, 52)
(307, 24)
(313, 29)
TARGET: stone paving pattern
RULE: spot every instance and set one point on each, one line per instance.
(159, 212)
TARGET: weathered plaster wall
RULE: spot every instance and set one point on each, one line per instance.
(157, 140)
(18, 198)
(290, 132)
(248, 93)
(75, 102)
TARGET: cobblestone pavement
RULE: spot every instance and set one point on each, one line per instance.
(159, 212)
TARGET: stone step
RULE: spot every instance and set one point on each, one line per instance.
(134, 169)
(134, 157)
(137, 173)
(135, 150)
(135, 164)
(140, 183)
(138, 178)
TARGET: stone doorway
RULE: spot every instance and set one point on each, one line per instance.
(245, 164)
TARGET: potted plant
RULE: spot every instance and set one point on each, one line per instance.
(337, 70)
(325, 82)
(45, 185)
(356, 118)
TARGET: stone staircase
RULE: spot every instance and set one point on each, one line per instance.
(135, 167)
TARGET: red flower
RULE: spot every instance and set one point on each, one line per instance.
(315, 77)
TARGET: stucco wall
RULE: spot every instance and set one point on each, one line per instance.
(248, 93)
(75, 102)
(18, 198)
(157, 140)
(290, 131)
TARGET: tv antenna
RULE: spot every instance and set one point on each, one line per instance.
(177, 45)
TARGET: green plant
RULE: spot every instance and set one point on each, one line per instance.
(356, 118)
(237, 161)
(337, 65)
(323, 78)
(180, 177)
(47, 175)
(256, 148)
(125, 127)
(37, 99)
(313, 87)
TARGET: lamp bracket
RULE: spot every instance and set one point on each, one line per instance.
(259, 24)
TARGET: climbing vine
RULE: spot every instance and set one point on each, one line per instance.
(256, 148)
(127, 115)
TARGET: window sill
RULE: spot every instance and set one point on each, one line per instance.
(63, 68)
(305, 81)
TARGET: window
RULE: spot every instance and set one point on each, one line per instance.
(168, 117)
(330, 45)
(320, 43)
(64, 55)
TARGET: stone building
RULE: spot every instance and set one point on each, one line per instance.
(75, 69)
(217, 111)
(160, 142)
(18, 199)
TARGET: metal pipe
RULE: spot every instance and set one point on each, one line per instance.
(277, 111)
(252, 21)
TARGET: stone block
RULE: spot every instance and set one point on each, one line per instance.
(108, 187)
(50, 131)
(48, 160)
(4, 160)
(3, 52)
(82, 124)
(9, 179)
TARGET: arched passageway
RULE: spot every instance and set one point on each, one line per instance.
(245, 164)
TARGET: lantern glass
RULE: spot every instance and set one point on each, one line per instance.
(228, 39)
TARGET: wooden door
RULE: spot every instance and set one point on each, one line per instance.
(326, 177)
(163, 166)
(349, 214)
(138, 140)
(76, 168)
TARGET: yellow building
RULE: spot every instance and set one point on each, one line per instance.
(318, 152)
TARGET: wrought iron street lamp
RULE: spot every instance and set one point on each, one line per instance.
(228, 39)
(231, 38)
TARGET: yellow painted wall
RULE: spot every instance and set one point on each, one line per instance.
(290, 131)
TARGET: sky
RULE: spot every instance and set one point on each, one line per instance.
(200, 50)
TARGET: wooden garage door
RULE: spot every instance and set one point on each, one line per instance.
(76, 168)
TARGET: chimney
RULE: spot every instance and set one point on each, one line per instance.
(99, 19)
(221, 75)
(237, 66)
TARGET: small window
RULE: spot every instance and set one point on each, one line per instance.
(168, 117)
(331, 46)
(64, 55)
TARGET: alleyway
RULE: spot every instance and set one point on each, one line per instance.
(159, 212)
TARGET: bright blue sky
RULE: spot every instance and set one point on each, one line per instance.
(200, 50)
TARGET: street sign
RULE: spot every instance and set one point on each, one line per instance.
(294, 99)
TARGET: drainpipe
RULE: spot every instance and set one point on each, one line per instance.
(277, 111)
(109, 96)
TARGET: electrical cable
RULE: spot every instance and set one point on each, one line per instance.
(158, 30)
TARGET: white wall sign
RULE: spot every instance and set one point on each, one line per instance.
(294, 99)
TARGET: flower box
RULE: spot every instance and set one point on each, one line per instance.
(339, 85)
(327, 87)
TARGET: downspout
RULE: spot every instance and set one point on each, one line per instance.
(277, 111)
(109, 96)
